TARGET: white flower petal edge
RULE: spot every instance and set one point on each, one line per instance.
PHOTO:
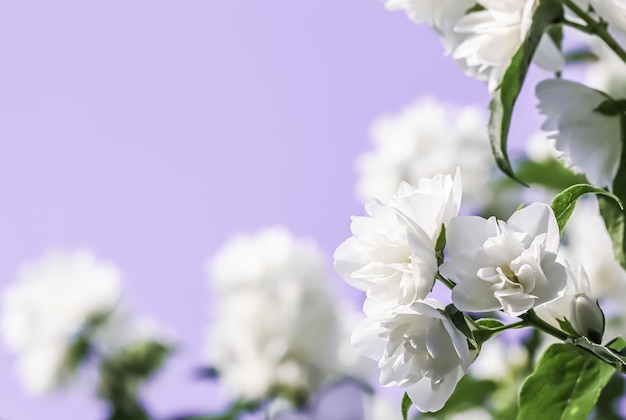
(417, 348)
(591, 140)
(505, 265)
(391, 255)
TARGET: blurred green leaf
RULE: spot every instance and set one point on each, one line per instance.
(406, 405)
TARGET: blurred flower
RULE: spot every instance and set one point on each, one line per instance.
(505, 265)
(376, 407)
(276, 328)
(45, 311)
(494, 34)
(590, 139)
(391, 254)
(426, 138)
(472, 414)
(418, 349)
(608, 72)
(498, 361)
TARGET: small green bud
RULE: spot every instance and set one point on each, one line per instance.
(586, 317)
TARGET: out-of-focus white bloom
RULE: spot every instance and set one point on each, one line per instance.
(590, 139)
(52, 300)
(611, 11)
(376, 407)
(498, 361)
(426, 138)
(473, 414)
(276, 319)
(608, 72)
(494, 34)
(123, 330)
(418, 349)
(540, 148)
(391, 255)
(350, 363)
(586, 317)
(441, 15)
(589, 244)
(505, 265)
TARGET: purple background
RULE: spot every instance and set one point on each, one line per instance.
(150, 131)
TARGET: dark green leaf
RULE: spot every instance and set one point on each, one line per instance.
(612, 107)
(504, 98)
(618, 344)
(406, 404)
(440, 245)
(565, 385)
(580, 56)
(458, 320)
(564, 203)
(613, 216)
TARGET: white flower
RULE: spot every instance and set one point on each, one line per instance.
(52, 300)
(575, 306)
(376, 407)
(441, 15)
(418, 349)
(504, 265)
(612, 11)
(426, 138)
(391, 254)
(276, 320)
(494, 34)
(608, 72)
(590, 139)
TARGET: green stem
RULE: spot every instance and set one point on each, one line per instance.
(445, 281)
(531, 319)
(595, 28)
(519, 324)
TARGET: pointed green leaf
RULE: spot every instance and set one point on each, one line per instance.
(406, 404)
(487, 328)
(503, 102)
(565, 385)
(563, 204)
(458, 320)
(610, 355)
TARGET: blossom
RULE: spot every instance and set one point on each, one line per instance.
(418, 349)
(275, 325)
(590, 139)
(499, 361)
(575, 307)
(504, 265)
(441, 15)
(391, 255)
(427, 137)
(493, 35)
(51, 302)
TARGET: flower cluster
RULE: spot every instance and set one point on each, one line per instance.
(427, 137)
(64, 308)
(395, 255)
(276, 329)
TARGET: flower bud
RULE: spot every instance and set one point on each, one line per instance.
(586, 317)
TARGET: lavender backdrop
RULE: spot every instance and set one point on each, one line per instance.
(152, 130)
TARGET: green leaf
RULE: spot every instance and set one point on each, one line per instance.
(607, 406)
(440, 245)
(580, 56)
(549, 173)
(458, 320)
(406, 404)
(503, 102)
(607, 354)
(612, 107)
(564, 203)
(613, 216)
(487, 328)
(565, 385)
